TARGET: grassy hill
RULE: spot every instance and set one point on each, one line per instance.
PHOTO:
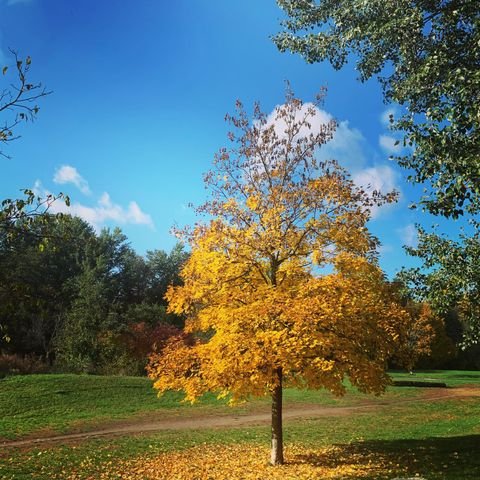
(433, 440)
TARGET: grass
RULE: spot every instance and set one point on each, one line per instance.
(453, 378)
(34, 404)
(436, 440)
(62, 403)
(422, 440)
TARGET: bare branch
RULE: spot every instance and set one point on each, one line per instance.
(18, 100)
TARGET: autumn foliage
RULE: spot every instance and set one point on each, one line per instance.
(140, 339)
(282, 285)
(247, 462)
(417, 335)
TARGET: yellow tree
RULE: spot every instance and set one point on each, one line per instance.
(418, 334)
(282, 285)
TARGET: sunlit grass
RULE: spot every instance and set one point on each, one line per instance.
(62, 403)
(433, 440)
(437, 440)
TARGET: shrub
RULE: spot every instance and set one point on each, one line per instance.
(15, 364)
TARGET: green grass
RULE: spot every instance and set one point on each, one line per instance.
(453, 378)
(438, 441)
(62, 403)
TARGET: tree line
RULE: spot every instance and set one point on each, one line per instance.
(83, 301)
(72, 299)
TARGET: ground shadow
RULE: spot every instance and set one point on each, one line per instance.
(450, 458)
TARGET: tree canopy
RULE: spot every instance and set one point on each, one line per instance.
(449, 278)
(82, 300)
(282, 284)
(426, 55)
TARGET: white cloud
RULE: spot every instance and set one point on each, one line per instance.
(37, 188)
(385, 116)
(318, 120)
(104, 211)
(135, 215)
(69, 174)
(381, 178)
(408, 235)
(347, 145)
(107, 210)
(389, 144)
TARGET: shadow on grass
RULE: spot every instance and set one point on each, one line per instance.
(450, 458)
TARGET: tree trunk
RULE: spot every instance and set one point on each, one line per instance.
(277, 432)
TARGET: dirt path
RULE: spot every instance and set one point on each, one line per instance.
(239, 420)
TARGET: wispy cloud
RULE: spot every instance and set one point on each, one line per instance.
(318, 120)
(69, 174)
(381, 178)
(347, 145)
(386, 114)
(98, 215)
(106, 211)
(408, 235)
(389, 144)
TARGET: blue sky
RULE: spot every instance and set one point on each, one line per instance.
(140, 91)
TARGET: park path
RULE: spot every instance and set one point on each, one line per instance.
(290, 412)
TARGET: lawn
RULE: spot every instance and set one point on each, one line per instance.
(33, 404)
(431, 440)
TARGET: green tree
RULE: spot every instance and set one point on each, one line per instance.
(36, 269)
(122, 269)
(426, 54)
(79, 343)
(163, 271)
(86, 340)
(449, 279)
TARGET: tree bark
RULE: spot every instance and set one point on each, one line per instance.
(277, 431)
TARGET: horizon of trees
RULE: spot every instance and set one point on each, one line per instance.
(83, 301)
(75, 300)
